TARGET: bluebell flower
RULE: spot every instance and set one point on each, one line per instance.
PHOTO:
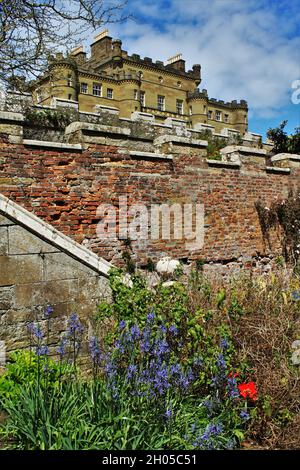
(95, 349)
(35, 330)
(74, 325)
(209, 406)
(232, 388)
(173, 330)
(168, 413)
(48, 312)
(61, 349)
(122, 324)
(132, 369)
(135, 332)
(119, 347)
(175, 369)
(163, 329)
(295, 294)
(231, 444)
(244, 415)
(207, 438)
(150, 317)
(221, 361)
(224, 344)
(42, 350)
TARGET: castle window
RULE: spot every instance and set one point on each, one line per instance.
(141, 75)
(160, 103)
(179, 106)
(160, 79)
(143, 98)
(110, 93)
(179, 84)
(83, 88)
(218, 116)
(69, 97)
(191, 110)
(209, 114)
(69, 81)
(226, 117)
(97, 89)
(135, 94)
(245, 118)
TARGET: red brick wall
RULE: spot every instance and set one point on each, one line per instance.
(65, 187)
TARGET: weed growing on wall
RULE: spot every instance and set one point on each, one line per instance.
(283, 214)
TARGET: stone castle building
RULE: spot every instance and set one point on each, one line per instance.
(129, 86)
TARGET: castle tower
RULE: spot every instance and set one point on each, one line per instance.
(64, 78)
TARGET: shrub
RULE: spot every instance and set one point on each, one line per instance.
(160, 381)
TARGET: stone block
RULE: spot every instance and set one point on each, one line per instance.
(20, 269)
(3, 241)
(5, 220)
(6, 297)
(22, 241)
(61, 266)
(43, 293)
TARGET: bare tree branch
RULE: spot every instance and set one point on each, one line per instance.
(31, 31)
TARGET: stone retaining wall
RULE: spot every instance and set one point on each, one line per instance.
(41, 267)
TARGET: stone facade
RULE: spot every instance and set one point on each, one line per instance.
(38, 267)
(112, 81)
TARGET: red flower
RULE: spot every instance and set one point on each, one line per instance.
(248, 390)
(235, 375)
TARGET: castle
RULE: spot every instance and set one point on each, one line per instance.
(129, 86)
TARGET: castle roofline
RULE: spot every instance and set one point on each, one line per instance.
(197, 94)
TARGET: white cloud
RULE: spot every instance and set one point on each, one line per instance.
(247, 50)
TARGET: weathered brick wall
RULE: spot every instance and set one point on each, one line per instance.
(65, 186)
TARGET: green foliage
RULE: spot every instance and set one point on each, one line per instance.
(57, 119)
(279, 138)
(215, 144)
(282, 142)
(22, 369)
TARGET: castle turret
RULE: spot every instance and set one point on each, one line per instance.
(64, 78)
(240, 115)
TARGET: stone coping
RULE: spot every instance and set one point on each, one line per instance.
(285, 156)
(175, 139)
(277, 169)
(8, 116)
(51, 235)
(160, 156)
(100, 128)
(220, 163)
(50, 144)
(241, 149)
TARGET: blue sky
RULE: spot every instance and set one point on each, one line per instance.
(248, 49)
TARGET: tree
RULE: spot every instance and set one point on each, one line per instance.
(30, 31)
(295, 142)
(279, 138)
(284, 143)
